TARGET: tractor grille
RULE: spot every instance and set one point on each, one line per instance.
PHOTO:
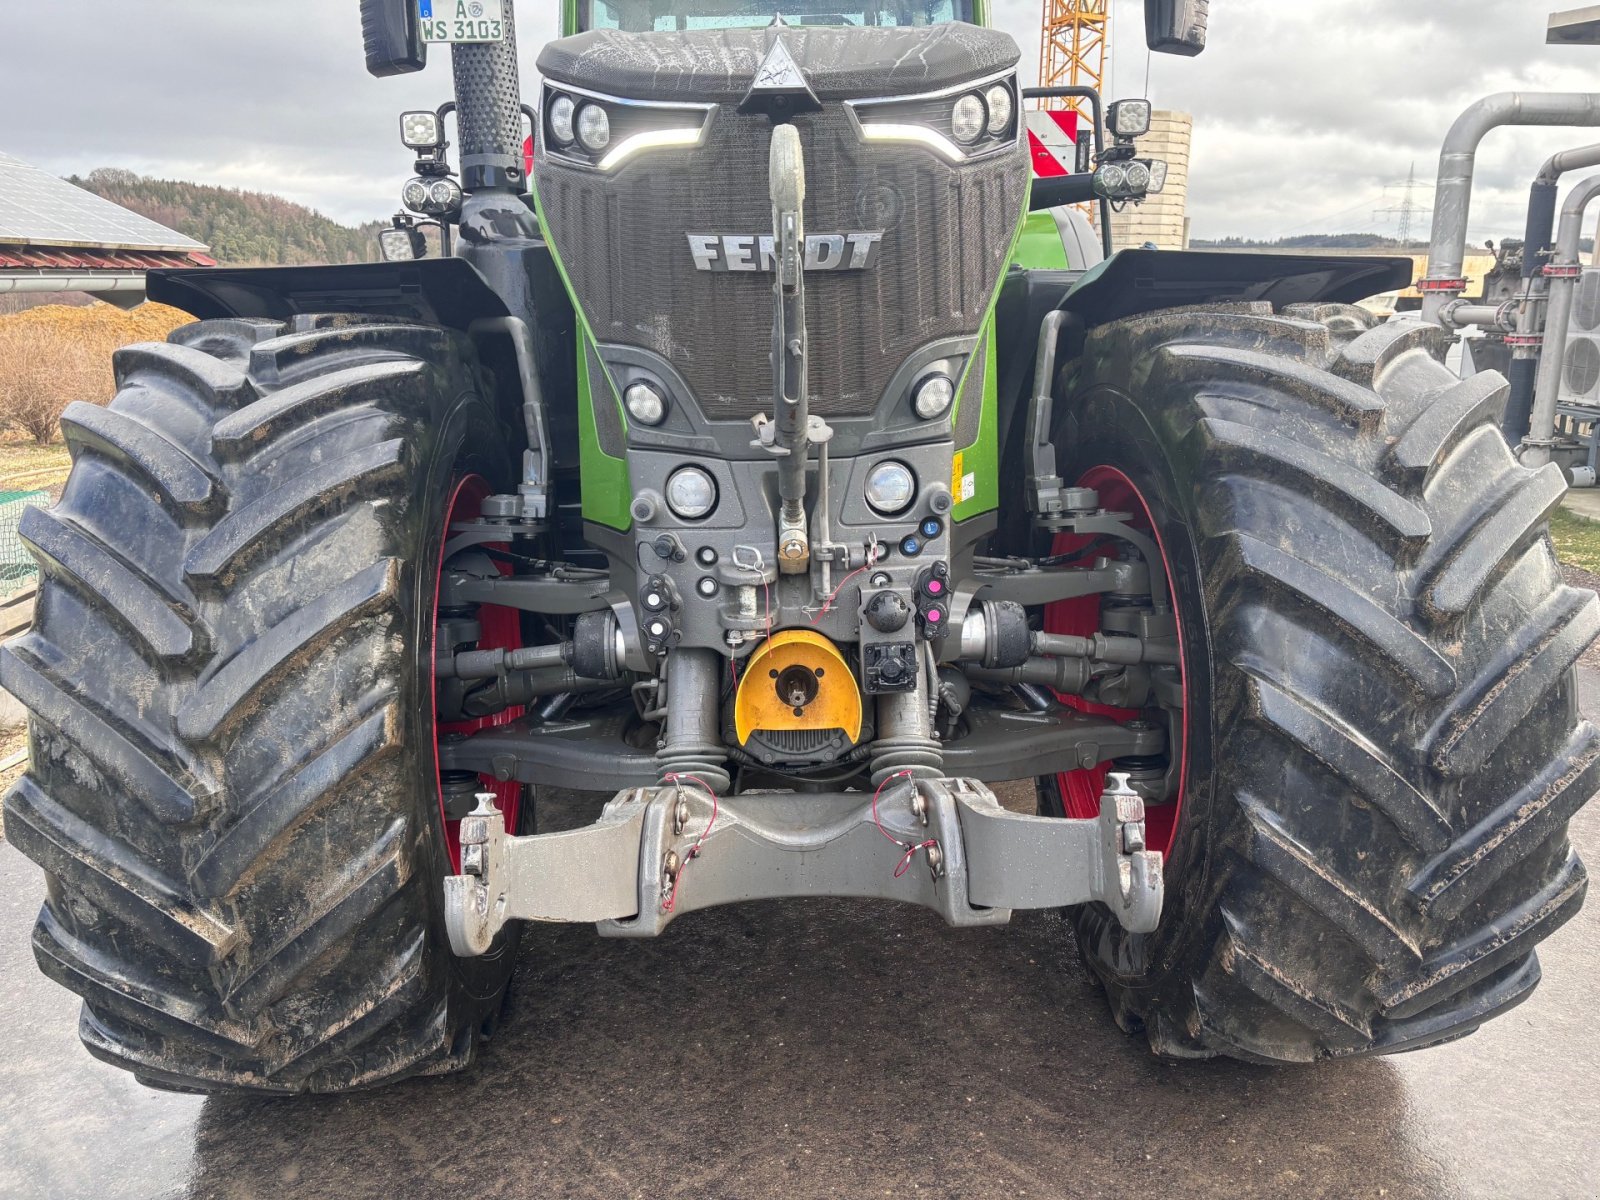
(622, 237)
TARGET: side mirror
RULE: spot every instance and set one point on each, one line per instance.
(1176, 26)
(392, 30)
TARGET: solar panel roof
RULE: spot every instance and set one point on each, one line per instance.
(38, 209)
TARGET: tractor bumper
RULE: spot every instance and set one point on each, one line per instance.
(946, 844)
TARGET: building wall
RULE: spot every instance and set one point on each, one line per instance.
(1162, 219)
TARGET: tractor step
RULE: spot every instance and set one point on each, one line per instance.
(658, 852)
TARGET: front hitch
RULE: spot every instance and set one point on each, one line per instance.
(656, 853)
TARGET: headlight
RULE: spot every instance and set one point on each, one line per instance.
(1138, 177)
(561, 127)
(645, 404)
(594, 128)
(968, 119)
(1000, 108)
(444, 195)
(420, 130)
(891, 487)
(398, 245)
(1129, 118)
(1111, 181)
(415, 195)
(933, 397)
(1158, 175)
(691, 493)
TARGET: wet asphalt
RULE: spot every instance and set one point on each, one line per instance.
(835, 1048)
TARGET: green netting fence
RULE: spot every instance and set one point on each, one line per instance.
(17, 568)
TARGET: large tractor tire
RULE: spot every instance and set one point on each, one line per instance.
(233, 785)
(1383, 746)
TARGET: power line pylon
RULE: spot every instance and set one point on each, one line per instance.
(1408, 209)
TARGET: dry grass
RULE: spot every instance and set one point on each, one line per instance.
(53, 355)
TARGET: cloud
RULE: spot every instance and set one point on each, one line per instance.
(1307, 112)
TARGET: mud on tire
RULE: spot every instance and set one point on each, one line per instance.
(233, 784)
(1384, 741)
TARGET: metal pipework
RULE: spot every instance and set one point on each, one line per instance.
(1044, 487)
(1460, 314)
(787, 184)
(1453, 197)
(1098, 647)
(1529, 324)
(1566, 271)
(1066, 675)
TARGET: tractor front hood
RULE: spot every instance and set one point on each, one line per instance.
(719, 65)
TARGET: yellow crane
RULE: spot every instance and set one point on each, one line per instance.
(1073, 45)
(1072, 52)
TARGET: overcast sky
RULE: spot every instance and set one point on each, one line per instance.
(1304, 109)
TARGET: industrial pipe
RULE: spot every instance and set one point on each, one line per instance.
(1530, 319)
(1453, 198)
(1461, 314)
(1565, 270)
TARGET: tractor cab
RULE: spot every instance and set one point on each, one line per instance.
(681, 16)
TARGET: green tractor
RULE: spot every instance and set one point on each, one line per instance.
(730, 506)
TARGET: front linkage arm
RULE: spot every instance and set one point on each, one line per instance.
(661, 851)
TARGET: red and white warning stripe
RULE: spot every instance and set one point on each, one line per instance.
(1053, 141)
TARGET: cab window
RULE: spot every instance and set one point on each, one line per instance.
(666, 16)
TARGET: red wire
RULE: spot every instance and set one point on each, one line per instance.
(694, 851)
(910, 849)
(905, 861)
(827, 604)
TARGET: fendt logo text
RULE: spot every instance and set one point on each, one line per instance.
(824, 251)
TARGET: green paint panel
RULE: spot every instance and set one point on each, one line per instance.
(607, 492)
(977, 467)
(1039, 248)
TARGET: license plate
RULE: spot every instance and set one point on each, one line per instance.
(456, 21)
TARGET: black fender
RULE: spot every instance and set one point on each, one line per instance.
(436, 291)
(1133, 282)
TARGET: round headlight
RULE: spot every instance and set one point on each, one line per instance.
(1138, 176)
(594, 128)
(933, 397)
(891, 487)
(646, 404)
(1000, 107)
(968, 118)
(415, 196)
(561, 120)
(691, 493)
(1113, 179)
(444, 195)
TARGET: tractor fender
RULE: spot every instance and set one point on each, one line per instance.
(1133, 282)
(433, 291)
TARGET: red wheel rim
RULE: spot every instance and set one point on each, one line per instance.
(500, 628)
(1080, 789)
